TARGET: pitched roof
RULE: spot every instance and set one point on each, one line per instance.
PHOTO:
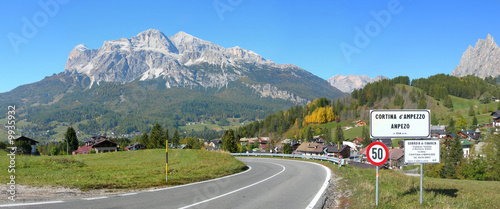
(103, 141)
(495, 113)
(395, 154)
(333, 148)
(386, 142)
(311, 147)
(465, 142)
(363, 151)
(82, 150)
(26, 139)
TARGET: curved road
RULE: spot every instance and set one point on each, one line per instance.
(269, 183)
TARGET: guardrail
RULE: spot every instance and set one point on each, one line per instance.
(335, 160)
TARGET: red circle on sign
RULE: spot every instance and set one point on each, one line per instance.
(373, 161)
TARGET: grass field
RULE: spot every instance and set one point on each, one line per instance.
(121, 170)
(397, 190)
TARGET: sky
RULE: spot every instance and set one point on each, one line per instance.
(325, 37)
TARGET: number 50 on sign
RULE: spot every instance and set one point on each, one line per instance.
(377, 153)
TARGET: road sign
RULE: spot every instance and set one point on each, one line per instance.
(400, 123)
(422, 151)
(377, 153)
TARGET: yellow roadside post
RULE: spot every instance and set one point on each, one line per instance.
(166, 160)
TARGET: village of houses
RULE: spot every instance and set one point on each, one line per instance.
(351, 150)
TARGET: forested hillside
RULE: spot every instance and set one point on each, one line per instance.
(438, 93)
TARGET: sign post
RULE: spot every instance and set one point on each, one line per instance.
(400, 124)
(377, 154)
(166, 160)
(422, 151)
(414, 124)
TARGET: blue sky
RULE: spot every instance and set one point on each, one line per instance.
(412, 38)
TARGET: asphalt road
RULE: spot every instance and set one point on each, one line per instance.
(269, 183)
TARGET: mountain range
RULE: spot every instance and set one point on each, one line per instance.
(482, 60)
(348, 83)
(152, 78)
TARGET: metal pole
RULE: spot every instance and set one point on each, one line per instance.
(421, 181)
(376, 190)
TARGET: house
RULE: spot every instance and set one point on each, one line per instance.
(350, 144)
(396, 158)
(263, 142)
(386, 142)
(310, 148)
(342, 151)
(362, 153)
(358, 141)
(496, 117)
(319, 140)
(401, 144)
(32, 143)
(135, 146)
(438, 131)
(99, 144)
(466, 144)
(243, 141)
(215, 144)
(360, 123)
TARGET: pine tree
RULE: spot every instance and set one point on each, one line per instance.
(448, 169)
(287, 149)
(471, 111)
(175, 138)
(447, 102)
(156, 137)
(339, 134)
(451, 126)
(366, 138)
(492, 145)
(229, 142)
(144, 140)
(422, 104)
(327, 135)
(70, 137)
(474, 122)
(456, 153)
(309, 134)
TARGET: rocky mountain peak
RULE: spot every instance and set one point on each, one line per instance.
(348, 83)
(482, 60)
(153, 39)
(188, 43)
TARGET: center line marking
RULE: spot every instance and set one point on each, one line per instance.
(213, 198)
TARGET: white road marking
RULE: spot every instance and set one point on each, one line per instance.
(28, 204)
(95, 198)
(315, 200)
(127, 194)
(201, 182)
(231, 192)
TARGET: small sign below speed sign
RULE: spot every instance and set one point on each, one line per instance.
(377, 153)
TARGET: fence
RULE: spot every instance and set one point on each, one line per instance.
(335, 160)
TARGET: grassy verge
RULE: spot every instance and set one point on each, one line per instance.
(121, 170)
(397, 190)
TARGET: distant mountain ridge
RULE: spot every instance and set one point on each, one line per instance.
(181, 60)
(129, 84)
(482, 60)
(348, 83)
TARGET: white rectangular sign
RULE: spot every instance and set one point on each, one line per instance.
(400, 123)
(422, 151)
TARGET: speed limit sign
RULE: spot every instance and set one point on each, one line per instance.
(377, 153)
